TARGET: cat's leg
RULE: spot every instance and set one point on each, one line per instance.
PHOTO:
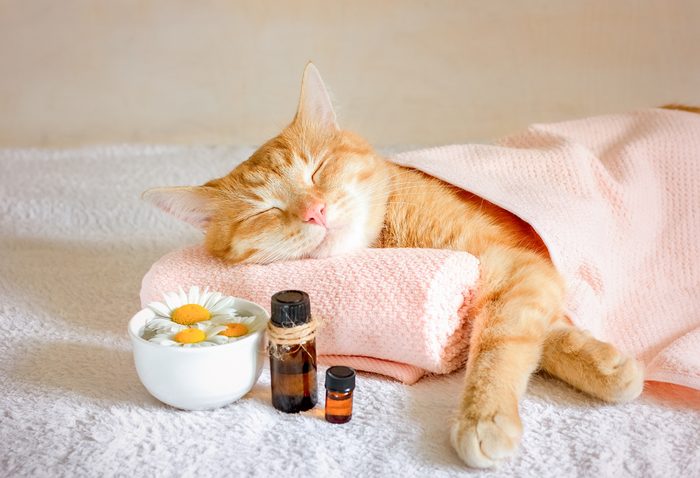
(521, 295)
(592, 366)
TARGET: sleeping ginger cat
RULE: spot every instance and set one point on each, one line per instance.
(316, 190)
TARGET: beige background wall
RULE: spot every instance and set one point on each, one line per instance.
(411, 72)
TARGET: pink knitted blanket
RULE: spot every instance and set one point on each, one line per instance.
(397, 312)
(616, 199)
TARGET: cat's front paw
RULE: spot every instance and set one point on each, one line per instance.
(622, 377)
(483, 442)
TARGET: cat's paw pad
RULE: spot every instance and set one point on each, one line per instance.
(607, 358)
(626, 380)
(621, 376)
(482, 443)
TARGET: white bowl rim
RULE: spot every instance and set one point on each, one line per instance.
(249, 336)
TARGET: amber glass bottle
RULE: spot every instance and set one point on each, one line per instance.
(340, 386)
(292, 352)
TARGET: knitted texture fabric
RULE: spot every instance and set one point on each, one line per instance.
(616, 200)
(397, 312)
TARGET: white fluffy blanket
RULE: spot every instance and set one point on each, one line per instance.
(75, 241)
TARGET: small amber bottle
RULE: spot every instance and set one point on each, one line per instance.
(340, 384)
(292, 352)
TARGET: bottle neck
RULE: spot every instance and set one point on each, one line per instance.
(336, 394)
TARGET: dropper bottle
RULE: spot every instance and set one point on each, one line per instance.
(340, 384)
(292, 337)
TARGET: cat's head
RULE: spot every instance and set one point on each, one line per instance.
(312, 191)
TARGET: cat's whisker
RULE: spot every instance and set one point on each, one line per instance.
(405, 191)
(403, 188)
(386, 182)
(403, 172)
(273, 254)
(344, 201)
(399, 187)
(390, 183)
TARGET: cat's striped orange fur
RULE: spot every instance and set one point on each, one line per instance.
(316, 190)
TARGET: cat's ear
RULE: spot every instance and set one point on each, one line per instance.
(192, 204)
(315, 105)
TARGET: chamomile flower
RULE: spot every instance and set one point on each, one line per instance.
(235, 326)
(185, 309)
(199, 335)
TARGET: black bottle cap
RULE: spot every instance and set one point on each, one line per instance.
(290, 308)
(340, 378)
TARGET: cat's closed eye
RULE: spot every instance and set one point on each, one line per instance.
(318, 169)
(260, 213)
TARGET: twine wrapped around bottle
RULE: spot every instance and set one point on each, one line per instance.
(290, 336)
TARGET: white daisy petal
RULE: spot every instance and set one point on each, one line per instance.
(177, 327)
(204, 296)
(216, 309)
(224, 303)
(219, 339)
(223, 317)
(213, 299)
(215, 330)
(160, 323)
(182, 296)
(159, 308)
(230, 301)
(162, 335)
(193, 296)
(163, 340)
(220, 320)
(172, 300)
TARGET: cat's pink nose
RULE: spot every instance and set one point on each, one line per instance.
(315, 213)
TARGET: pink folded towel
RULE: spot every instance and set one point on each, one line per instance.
(397, 312)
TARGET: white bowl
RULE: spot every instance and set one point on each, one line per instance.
(201, 378)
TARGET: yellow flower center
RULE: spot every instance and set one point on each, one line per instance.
(190, 336)
(190, 314)
(234, 330)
